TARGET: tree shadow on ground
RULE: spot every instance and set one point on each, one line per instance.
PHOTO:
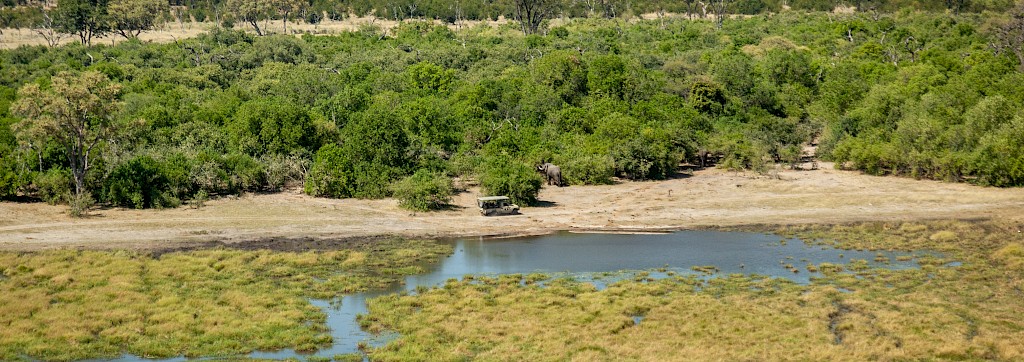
(542, 203)
(21, 199)
(451, 207)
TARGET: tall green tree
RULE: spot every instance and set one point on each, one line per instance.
(131, 17)
(285, 8)
(251, 11)
(86, 19)
(76, 112)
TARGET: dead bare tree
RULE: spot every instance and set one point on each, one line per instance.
(720, 7)
(45, 29)
(913, 47)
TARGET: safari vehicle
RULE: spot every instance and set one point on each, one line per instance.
(496, 205)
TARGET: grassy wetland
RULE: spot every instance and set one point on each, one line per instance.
(963, 303)
(73, 305)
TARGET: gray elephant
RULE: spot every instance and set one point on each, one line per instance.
(552, 173)
(705, 158)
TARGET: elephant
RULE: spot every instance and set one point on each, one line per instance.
(705, 158)
(552, 173)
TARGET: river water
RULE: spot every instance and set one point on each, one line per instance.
(585, 256)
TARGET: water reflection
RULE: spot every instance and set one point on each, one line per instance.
(574, 253)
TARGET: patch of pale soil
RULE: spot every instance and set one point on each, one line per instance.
(708, 198)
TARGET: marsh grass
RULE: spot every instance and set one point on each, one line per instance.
(853, 312)
(71, 305)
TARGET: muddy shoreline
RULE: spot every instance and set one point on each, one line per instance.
(307, 243)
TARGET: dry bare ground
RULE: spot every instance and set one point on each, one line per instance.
(708, 198)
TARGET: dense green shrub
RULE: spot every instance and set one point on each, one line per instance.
(139, 183)
(331, 174)
(739, 153)
(505, 177)
(647, 155)
(423, 191)
(587, 169)
(272, 125)
(430, 77)
(10, 180)
(246, 174)
(54, 186)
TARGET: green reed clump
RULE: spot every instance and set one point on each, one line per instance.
(851, 312)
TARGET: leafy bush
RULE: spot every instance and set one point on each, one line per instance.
(559, 32)
(80, 204)
(10, 179)
(247, 175)
(280, 170)
(54, 186)
(588, 170)
(378, 150)
(423, 191)
(518, 181)
(199, 199)
(646, 157)
(208, 174)
(139, 183)
(430, 77)
(331, 174)
(272, 126)
(740, 153)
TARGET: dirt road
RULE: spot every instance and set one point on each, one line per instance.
(708, 198)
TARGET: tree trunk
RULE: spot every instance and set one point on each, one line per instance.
(255, 25)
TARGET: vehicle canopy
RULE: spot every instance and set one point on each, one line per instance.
(492, 198)
(496, 205)
(492, 201)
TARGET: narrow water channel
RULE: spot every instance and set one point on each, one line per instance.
(584, 256)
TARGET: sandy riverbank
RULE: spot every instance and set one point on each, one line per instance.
(708, 198)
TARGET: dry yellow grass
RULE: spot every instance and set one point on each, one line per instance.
(70, 305)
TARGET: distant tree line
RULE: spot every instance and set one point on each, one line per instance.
(87, 19)
(360, 114)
